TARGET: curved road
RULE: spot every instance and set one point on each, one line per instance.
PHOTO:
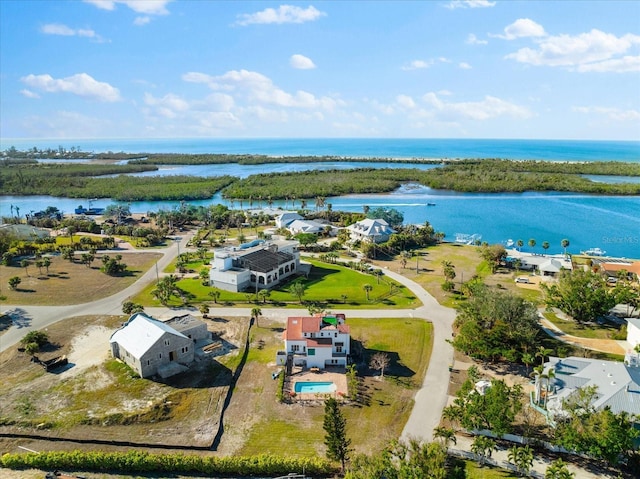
(429, 400)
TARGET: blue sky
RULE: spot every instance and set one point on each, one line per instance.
(229, 69)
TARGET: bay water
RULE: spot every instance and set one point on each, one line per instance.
(611, 223)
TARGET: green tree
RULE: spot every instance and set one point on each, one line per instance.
(46, 263)
(166, 287)
(367, 289)
(545, 246)
(25, 264)
(264, 295)
(255, 314)
(129, 307)
(215, 295)
(298, 289)
(404, 258)
(335, 427)
(527, 359)
(583, 295)
(520, 244)
(391, 215)
(204, 309)
(565, 244)
(483, 447)
(493, 255)
(494, 410)
(602, 434)
(494, 325)
(38, 337)
(558, 469)
(14, 282)
(522, 458)
(532, 243)
(445, 435)
(117, 212)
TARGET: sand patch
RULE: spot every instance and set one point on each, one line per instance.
(91, 348)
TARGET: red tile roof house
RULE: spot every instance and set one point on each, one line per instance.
(317, 341)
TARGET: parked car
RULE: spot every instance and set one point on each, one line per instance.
(522, 279)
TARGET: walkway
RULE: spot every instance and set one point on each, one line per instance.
(610, 346)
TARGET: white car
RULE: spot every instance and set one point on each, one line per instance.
(522, 280)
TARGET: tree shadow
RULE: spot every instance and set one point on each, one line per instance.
(19, 317)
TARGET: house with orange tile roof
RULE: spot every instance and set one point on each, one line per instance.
(317, 341)
(612, 269)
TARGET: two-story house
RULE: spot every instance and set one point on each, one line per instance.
(371, 230)
(317, 341)
(254, 266)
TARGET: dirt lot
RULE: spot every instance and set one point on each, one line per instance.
(96, 397)
(72, 283)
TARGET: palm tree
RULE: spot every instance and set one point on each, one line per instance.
(446, 435)
(558, 470)
(520, 244)
(538, 373)
(46, 262)
(404, 258)
(264, 294)
(545, 246)
(522, 458)
(215, 294)
(255, 314)
(25, 264)
(565, 244)
(483, 447)
(532, 243)
(542, 352)
(528, 360)
(367, 289)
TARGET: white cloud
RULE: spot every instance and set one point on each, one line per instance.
(522, 28)
(146, 7)
(453, 4)
(29, 94)
(614, 114)
(139, 21)
(79, 84)
(464, 66)
(405, 101)
(618, 65)
(473, 40)
(283, 14)
(66, 31)
(167, 106)
(592, 51)
(254, 86)
(417, 65)
(301, 62)
(489, 107)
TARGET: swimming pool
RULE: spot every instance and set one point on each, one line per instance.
(314, 387)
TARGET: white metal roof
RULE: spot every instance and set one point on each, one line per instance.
(140, 333)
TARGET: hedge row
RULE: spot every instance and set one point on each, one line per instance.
(141, 462)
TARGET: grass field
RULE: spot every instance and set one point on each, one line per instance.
(72, 283)
(264, 425)
(326, 284)
(573, 328)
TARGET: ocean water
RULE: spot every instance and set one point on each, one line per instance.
(553, 150)
(609, 222)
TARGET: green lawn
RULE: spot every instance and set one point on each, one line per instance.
(574, 328)
(383, 406)
(327, 283)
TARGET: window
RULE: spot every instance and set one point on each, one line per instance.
(160, 356)
(148, 362)
(311, 352)
(335, 335)
(295, 348)
(338, 349)
(166, 342)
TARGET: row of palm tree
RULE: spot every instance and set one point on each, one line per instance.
(545, 244)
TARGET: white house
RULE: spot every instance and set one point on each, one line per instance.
(305, 226)
(283, 220)
(617, 383)
(317, 341)
(151, 347)
(633, 331)
(254, 266)
(372, 230)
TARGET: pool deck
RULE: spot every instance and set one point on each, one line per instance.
(335, 375)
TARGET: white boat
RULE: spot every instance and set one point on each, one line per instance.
(509, 243)
(468, 239)
(593, 252)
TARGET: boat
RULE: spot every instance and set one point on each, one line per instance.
(468, 239)
(593, 252)
(431, 204)
(509, 243)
